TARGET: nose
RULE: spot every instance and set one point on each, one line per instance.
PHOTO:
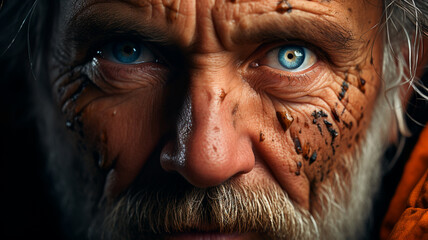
(211, 146)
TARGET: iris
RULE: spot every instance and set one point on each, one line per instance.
(291, 57)
(126, 52)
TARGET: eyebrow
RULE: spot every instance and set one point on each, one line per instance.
(88, 28)
(327, 34)
(330, 36)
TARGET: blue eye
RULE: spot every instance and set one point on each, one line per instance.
(126, 52)
(290, 58)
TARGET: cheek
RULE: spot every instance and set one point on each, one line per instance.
(327, 125)
(123, 128)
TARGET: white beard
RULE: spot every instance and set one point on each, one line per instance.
(345, 216)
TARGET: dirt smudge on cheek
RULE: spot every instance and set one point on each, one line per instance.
(261, 137)
(299, 166)
(333, 134)
(313, 157)
(335, 115)
(297, 145)
(361, 85)
(283, 6)
(344, 88)
(348, 125)
(285, 119)
(316, 115)
(327, 123)
(306, 150)
(320, 129)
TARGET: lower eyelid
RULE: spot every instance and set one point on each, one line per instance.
(106, 52)
(128, 76)
(284, 84)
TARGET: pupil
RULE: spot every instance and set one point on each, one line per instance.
(128, 50)
(291, 57)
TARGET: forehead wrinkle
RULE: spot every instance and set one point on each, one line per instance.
(306, 27)
(145, 19)
(254, 21)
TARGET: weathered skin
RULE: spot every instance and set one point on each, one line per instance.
(234, 97)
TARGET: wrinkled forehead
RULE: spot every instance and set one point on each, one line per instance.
(211, 25)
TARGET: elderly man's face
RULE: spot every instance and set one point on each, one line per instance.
(216, 116)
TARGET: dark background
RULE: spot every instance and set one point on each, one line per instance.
(27, 208)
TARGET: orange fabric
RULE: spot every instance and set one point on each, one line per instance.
(410, 221)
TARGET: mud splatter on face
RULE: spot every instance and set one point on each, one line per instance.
(361, 84)
(297, 145)
(285, 119)
(313, 157)
(299, 165)
(306, 150)
(261, 137)
(319, 129)
(283, 6)
(333, 134)
(327, 123)
(344, 88)
(348, 125)
(335, 115)
(317, 115)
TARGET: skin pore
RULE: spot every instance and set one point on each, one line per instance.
(209, 93)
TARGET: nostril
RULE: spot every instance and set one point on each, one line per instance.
(170, 158)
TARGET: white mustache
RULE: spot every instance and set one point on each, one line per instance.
(228, 208)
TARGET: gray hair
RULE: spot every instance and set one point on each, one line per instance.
(404, 27)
